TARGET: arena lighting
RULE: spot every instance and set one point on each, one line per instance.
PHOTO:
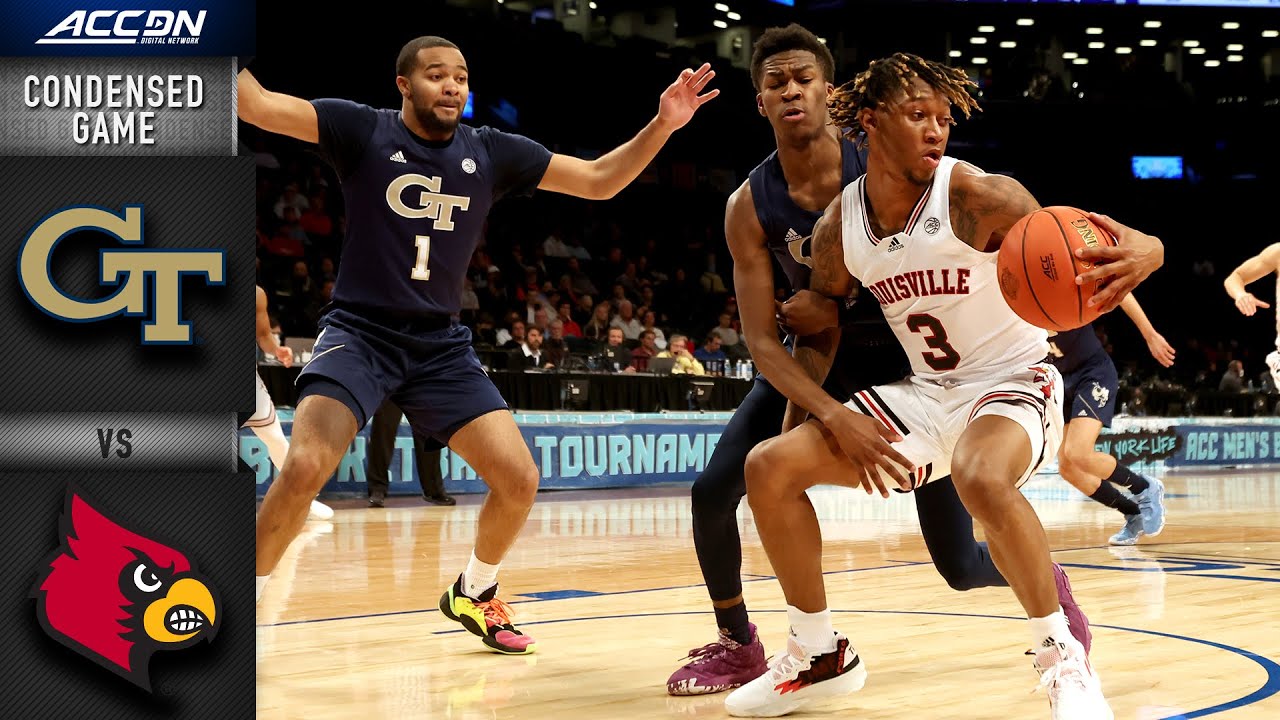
(1235, 47)
(979, 61)
(1026, 22)
(1197, 51)
(1151, 24)
(721, 7)
(977, 41)
(1270, 33)
(1093, 31)
(1097, 45)
(822, 40)
(1190, 43)
(1148, 43)
(733, 15)
(593, 6)
(1070, 55)
(986, 28)
(1212, 63)
(720, 24)
(1080, 61)
(1235, 58)
(955, 53)
(1123, 50)
(1008, 44)
(1230, 26)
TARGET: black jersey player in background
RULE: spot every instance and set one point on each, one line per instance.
(772, 215)
(418, 185)
(1090, 385)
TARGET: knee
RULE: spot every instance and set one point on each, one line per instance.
(957, 575)
(981, 482)
(522, 485)
(713, 493)
(764, 483)
(1071, 460)
(303, 473)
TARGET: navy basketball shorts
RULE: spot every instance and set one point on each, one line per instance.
(435, 376)
(1091, 390)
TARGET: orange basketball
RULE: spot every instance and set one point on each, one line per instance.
(1037, 268)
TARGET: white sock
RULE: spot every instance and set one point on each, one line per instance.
(1054, 626)
(478, 577)
(812, 630)
(262, 583)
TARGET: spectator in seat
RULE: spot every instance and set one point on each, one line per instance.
(1233, 378)
(626, 321)
(616, 356)
(686, 364)
(641, 355)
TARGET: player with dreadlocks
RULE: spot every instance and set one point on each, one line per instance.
(919, 232)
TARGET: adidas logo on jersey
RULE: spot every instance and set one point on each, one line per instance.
(398, 156)
(894, 244)
(792, 236)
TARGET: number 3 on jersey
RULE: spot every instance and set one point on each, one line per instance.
(420, 271)
(936, 338)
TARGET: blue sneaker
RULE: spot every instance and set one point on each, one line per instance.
(1129, 534)
(1151, 505)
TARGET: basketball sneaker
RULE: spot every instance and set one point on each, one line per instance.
(1075, 692)
(1151, 506)
(1131, 531)
(722, 665)
(488, 617)
(1076, 620)
(319, 511)
(798, 676)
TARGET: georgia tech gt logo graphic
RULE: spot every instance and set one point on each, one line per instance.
(117, 597)
(135, 264)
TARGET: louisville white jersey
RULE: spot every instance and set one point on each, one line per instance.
(940, 295)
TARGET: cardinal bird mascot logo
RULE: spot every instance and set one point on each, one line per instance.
(117, 597)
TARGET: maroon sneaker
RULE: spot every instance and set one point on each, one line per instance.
(723, 665)
(1076, 621)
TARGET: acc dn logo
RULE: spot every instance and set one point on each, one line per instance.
(126, 27)
(128, 268)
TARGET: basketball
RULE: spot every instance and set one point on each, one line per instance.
(1037, 267)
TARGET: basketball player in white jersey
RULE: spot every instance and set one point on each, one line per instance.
(264, 422)
(919, 232)
(1257, 267)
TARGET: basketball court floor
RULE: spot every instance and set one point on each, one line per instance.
(1186, 625)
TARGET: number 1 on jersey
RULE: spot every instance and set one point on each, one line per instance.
(420, 271)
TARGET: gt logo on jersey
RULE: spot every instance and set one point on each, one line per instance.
(431, 203)
(1100, 394)
(128, 268)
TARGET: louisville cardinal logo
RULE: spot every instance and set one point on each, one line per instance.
(117, 597)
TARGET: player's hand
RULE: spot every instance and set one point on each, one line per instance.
(681, 99)
(1123, 267)
(1161, 350)
(807, 313)
(866, 442)
(1248, 304)
(285, 355)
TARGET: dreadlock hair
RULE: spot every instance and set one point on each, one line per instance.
(792, 37)
(886, 77)
(407, 60)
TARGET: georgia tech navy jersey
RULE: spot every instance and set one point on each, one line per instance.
(415, 208)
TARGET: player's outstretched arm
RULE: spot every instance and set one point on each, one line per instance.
(753, 286)
(275, 112)
(985, 206)
(604, 177)
(267, 339)
(1252, 269)
(1160, 348)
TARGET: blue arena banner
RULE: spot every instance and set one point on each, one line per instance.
(146, 28)
(618, 450)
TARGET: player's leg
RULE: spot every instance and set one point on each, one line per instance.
(1092, 394)
(265, 423)
(382, 443)
(966, 563)
(1014, 431)
(339, 390)
(778, 472)
(738, 655)
(448, 397)
(493, 446)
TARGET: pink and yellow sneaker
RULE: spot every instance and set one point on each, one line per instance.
(722, 665)
(488, 617)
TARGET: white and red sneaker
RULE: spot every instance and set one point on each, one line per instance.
(799, 676)
(1066, 675)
